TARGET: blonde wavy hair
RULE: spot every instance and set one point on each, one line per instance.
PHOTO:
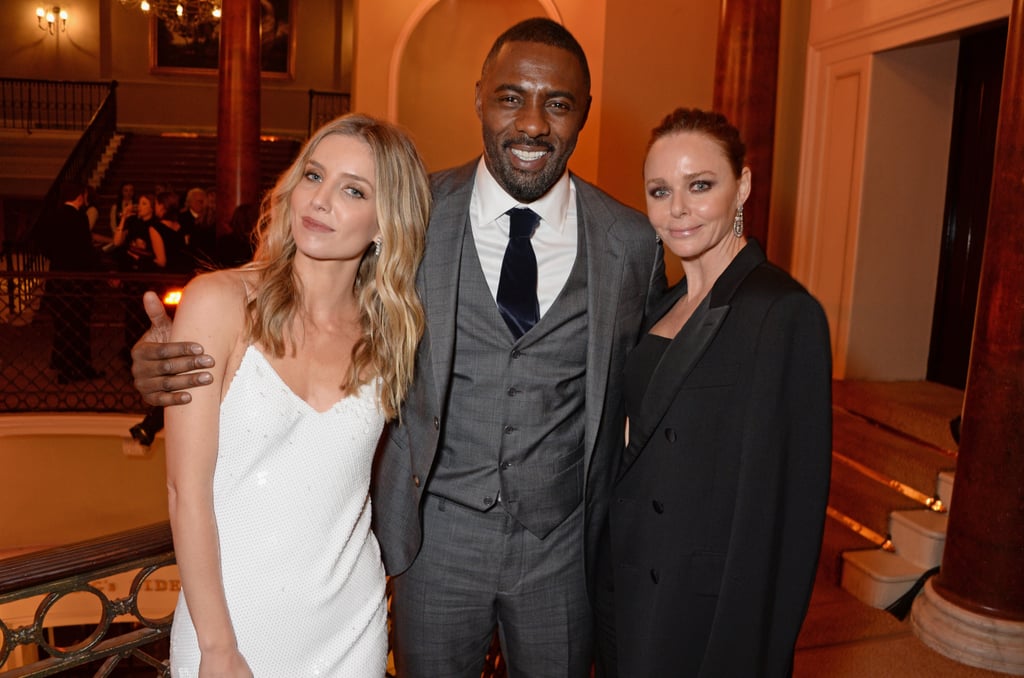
(390, 310)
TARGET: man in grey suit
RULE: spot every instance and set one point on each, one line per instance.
(490, 492)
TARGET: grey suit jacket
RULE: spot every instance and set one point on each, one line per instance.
(625, 275)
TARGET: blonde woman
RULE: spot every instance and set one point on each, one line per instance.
(268, 475)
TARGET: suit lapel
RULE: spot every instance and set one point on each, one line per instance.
(688, 347)
(604, 285)
(442, 262)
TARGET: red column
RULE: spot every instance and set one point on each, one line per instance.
(746, 76)
(973, 610)
(238, 109)
(987, 515)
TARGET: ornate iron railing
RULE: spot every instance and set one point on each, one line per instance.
(50, 104)
(86, 569)
(65, 339)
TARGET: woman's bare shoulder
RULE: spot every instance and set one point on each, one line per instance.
(231, 286)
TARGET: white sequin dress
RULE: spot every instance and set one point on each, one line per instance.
(301, 568)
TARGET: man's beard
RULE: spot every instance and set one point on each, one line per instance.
(522, 185)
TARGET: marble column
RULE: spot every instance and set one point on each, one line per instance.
(746, 77)
(238, 109)
(973, 610)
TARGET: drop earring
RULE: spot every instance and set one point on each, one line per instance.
(376, 248)
(737, 222)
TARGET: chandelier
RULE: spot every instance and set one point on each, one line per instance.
(190, 19)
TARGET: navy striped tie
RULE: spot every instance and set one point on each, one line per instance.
(517, 288)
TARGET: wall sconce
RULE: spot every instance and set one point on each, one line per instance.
(52, 16)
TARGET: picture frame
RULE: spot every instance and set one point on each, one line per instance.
(172, 52)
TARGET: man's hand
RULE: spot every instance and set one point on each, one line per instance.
(157, 365)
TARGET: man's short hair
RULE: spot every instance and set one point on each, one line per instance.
(546, 32)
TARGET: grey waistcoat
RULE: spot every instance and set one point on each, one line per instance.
(515, 419)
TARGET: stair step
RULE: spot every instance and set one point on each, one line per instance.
(183, 162)
(888, 453)
(865, 500)
(945, 488)
(878, 578)
(837, 539)
(921, 409)
(919, 536)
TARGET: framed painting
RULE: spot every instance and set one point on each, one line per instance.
(193, 47)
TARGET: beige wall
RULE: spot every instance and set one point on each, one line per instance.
(655, 60)
(902, 205)
(66, 479)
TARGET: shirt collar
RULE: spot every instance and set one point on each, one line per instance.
(494, 201)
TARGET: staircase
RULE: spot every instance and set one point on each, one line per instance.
(892, 476)
(180, 162)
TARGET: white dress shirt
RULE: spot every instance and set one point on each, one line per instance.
(554, 242)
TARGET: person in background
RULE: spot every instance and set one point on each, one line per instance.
(491, 488)
(236, 247)
(268, 472)
(92, 215)
(132, 241)
(716, 517)
(170, 240)
(125, 201)
(133, 253)
(199, 232)
(65, 239)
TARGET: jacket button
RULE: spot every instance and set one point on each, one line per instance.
(654, 576)
(506, 465)
(658, 506)
(437, 423)
(416, 481)
(670, 435)
(508, 428)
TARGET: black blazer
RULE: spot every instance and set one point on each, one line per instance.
(718, 510)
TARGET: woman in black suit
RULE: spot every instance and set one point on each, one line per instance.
(717, 514)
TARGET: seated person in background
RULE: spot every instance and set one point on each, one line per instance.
(132, 240)
(170, 240)
(125, 201)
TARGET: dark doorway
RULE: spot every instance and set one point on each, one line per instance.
(975, 116)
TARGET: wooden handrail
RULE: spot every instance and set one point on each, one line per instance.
(36, 568)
